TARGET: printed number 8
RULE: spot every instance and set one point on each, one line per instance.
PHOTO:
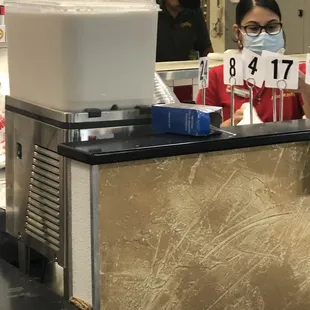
(232, 70)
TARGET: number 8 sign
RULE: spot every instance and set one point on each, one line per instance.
(233, 69)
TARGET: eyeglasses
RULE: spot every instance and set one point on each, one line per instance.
(256, 30)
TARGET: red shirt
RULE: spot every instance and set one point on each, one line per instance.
(217, 94)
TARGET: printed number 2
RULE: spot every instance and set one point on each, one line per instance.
(232, 70)
(275, 63)
(201, 70)
(253, 65)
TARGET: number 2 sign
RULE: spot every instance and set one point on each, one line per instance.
(203, 72)
(233, 69)
(282, 72)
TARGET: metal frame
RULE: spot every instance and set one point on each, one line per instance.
(68, 290)
(31, 130)
(172, 75)
(95, 239)
(73, 117)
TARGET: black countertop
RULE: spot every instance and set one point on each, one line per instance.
(98, 152)
(18, 292)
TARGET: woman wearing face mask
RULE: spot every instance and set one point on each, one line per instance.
(258, 27)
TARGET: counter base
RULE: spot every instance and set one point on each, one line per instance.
(220, 230)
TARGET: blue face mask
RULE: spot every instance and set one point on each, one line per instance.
(264, 42)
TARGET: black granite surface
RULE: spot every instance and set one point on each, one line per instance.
(18, 292)
(161, 145)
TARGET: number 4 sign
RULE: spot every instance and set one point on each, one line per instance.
(233, 69)
(254, 68)
(282, 72)
(203, 72)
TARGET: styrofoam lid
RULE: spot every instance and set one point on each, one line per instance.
(75, 7)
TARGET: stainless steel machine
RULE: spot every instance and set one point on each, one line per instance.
(37, 179)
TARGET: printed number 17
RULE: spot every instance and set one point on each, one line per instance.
(275, 63)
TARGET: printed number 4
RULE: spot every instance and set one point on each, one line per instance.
(253, 65)
(275, 63)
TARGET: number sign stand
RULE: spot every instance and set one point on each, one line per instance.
(233, 76)
(251, 84)
(282, 73)
(274, 105)
(204, 86)
(232, 82)
(254, 67)
(282, 89)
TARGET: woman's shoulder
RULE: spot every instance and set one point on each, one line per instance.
(217, 70)
(302, 67)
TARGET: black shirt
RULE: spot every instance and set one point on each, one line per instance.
(178, 37)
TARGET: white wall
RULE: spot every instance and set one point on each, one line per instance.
(218, 42)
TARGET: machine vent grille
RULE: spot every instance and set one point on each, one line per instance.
(42, 219)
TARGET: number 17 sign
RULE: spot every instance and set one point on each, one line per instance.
(282, 72)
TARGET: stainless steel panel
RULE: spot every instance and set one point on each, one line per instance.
(44, 201)
(45, 180)
(33, 211)
(45, 166)
(44, 230)
(37, 234)
(46, 152)
(46, 160)
(95, 239)
(178, 74)
(39, 161)
(43, 208)
(111, 132)
(43, 187)
(43, 221)
(37, 180)
(40, 173)
(75, 117)
(163, 94)
(44, 194)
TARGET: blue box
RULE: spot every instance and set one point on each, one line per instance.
(185, 119)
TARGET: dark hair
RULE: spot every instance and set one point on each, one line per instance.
(245, 6)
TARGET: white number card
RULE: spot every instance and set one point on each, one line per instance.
(233, 69)
(203, 77)
(308, 69)
(254, 68)
(282, 72)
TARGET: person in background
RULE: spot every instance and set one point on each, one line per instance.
(182, 34)
(181, 30)
(258, 27)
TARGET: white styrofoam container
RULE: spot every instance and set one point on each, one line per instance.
(72, 56)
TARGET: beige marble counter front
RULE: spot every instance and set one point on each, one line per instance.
(217, 231)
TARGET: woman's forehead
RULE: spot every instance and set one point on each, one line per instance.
(260, 15)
